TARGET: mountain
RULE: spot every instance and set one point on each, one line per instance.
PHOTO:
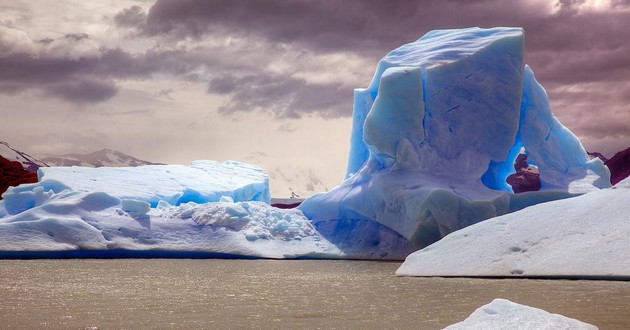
(28, 162)
(17, 167)
(101, 158)
(619, 166)
(12, 173)
(596, 154)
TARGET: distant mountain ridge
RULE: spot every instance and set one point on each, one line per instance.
(101, 158)
(28, 162)
(17, 167)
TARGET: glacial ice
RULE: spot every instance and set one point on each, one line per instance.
(436, 134)
(503, 314)
(201, 182)
(582, 237)
(59, 219)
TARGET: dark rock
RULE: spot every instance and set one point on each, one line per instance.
(596, 154)
(619, 166)
(13, 174)
(526, 177)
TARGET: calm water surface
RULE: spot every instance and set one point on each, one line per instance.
(270, 294)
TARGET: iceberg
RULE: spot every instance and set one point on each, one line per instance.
(202, 182)
(436, 134)
(581, 237)
(208, 209)
(503, 314)
(69, 223)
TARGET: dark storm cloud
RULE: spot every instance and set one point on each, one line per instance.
(565, 46)
(363, 26)
(86, 78)
(131, 17)
(571, 44)
(283, 96)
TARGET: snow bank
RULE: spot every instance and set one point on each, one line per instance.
(436, 134)
(203, 181)
(503, 314)
(582, 237)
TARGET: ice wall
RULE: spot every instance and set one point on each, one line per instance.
(436, 133)
(201, 182)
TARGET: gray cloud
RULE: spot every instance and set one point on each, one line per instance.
(131, 17)
(566, 46)
(563, 45)
(83, 90)
(283, 96)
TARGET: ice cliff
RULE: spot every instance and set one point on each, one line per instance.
(436, 134)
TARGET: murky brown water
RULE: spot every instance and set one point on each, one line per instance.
(268, 294)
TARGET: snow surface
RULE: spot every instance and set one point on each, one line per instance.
(58, 218)
(436, 134)
(503, 314)
(201, 182)
(582, 237)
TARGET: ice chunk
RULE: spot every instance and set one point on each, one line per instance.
(26, 196)
(436, 134)
(203, 181)
(135, 207)
(104, 225)
(503, 314)
(581, 237)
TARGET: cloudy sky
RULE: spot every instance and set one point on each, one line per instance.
(271, 81)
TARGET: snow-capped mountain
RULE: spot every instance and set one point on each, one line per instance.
(101, 158)
(29, 162)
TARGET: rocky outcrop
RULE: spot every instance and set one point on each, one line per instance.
(526, 177)
(13, 174)
(619, 166)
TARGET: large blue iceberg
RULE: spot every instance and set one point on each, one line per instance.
(436, 134)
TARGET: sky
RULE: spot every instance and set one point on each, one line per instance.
(269, 81)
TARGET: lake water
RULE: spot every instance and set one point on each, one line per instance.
(273, 294)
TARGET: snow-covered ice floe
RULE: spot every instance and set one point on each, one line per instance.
(130, 212)
(582, 237)
(436, 134)
(503, 314)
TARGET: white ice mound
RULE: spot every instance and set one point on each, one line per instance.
(96, 224)
(436, 133)
(582, 237)
(201, 182)
(503, 314)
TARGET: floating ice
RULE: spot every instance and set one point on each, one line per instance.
(582, 237)
(87, 222)
(503, 314)
(436, 133)
(203, 181)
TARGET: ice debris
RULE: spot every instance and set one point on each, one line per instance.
(503, 314)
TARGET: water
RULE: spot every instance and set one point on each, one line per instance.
(269, 294)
